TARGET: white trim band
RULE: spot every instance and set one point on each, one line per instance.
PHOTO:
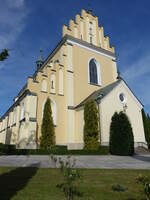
(90, 49)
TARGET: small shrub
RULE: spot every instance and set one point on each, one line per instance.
(145, 181)
(69, 185)
(7, 149)
(119, 188)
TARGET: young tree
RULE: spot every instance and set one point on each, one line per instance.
(48, 132)
(4, 54)
(145, 181)
(70, 184)
(121, 135)
(91, 129)
(146, 124)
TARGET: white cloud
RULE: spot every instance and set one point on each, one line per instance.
(139, 68)
(137, 75)
(13, 14)
(15, 3)
(1, 65)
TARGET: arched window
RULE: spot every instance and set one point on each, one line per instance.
(94, 72)
(44, 86)
(54, 110)
(9, 119)
(3, 124)
(22, 112)
(53, 106)
(14, 116)
(52, 83)
(61, 82)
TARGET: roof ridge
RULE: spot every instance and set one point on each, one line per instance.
(97, 92)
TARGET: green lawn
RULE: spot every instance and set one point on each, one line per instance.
(40, 184)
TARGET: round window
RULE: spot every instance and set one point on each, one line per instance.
(122, 97)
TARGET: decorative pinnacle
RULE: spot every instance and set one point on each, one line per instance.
(41, 55)
(89, 11)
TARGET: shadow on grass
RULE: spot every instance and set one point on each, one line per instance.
(15, 180)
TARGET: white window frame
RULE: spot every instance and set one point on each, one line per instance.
(98, 72)
(14, 116)
(22, 111)
(44, 85)
(125, 98)
(53, 78)
(61, 81)
(9, 119)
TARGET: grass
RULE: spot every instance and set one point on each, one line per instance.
(96, 184)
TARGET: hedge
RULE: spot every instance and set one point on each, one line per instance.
(57, 150)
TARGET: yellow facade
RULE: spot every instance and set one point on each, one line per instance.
(65, 78)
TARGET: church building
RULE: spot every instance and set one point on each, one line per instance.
(82, 66)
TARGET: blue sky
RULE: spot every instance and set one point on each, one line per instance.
(28, 25)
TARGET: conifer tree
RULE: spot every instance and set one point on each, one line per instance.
(148, 135)
(146, 124)
(121, 135)
(47, 130)
(4, 54)
(91, 129)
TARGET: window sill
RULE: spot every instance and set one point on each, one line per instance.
(44, 75)
(53, 70)
(34, 81)
(94, 84)
(43, 91)
(70, 71)
(14, 124)
(22, 120)
(32, 119)
(52, 93)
